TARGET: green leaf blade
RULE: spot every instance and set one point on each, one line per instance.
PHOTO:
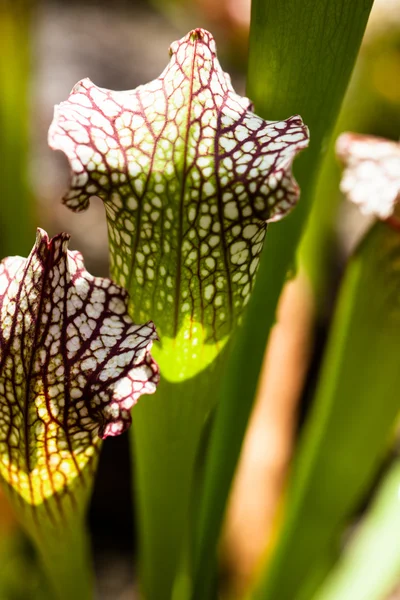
(348, 422)
(300, 61)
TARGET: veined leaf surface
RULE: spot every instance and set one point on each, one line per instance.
(190, 177)
(72, 365)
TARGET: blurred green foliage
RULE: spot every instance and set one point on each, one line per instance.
(370, 564)
(17, 226)
(354, 411)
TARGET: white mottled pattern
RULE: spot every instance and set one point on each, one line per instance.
(195, 173)
(371, 178)
(72, 365)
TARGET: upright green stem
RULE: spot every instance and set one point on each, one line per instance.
(58, 530)
(66, 560)
(172, 421)
(301, 58)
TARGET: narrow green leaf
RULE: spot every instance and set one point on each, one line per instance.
(354, 412)
(72, 365)
(370, 565)
(189, 176)
(301, 57)
(318, 246)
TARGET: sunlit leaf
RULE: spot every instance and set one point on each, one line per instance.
(72, 365)
(189, 176)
